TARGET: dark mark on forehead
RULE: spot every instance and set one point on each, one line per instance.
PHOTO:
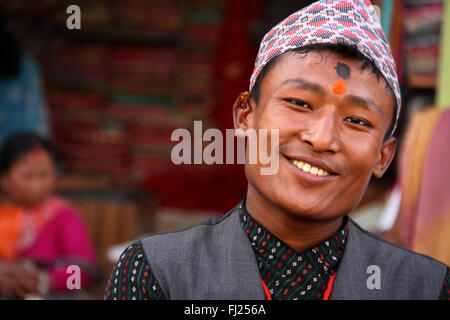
(343, 70)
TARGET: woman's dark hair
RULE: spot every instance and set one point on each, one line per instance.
(20, 144)
(343, 49)
(10, 52)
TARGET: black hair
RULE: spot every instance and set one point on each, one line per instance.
(346, 50)
(10, 52)
(20, 144)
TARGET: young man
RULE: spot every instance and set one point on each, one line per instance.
(325, 78)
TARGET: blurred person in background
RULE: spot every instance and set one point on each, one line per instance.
(22, 103)
(40, 233)
(422, 220)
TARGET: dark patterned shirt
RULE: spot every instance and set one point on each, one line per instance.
(287, 274)
(132, 278)
(291, 275)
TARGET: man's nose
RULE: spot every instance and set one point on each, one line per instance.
(321, 133)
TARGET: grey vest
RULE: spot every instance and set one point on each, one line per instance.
(215, 261)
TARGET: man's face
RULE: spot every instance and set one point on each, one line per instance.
(336, 126)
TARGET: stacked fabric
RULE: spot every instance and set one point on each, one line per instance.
(423, 21)
(85, 137)
(148, 123)
(136, 71)
(76, 65)
(197, 85)
(150, 148)
(76, 75)
(197, 82)
(150, 15)
(142, 70)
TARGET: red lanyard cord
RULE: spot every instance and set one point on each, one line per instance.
(326, 295)
(266, 290)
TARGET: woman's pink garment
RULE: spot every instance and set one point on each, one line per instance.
(62, 242)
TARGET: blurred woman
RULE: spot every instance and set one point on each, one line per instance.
(40, 233)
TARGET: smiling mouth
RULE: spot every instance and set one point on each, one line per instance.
(309, 168)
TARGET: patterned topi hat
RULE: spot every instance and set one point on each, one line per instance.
(352, 22)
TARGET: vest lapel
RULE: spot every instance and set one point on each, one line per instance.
(241, 267)
(352, 275)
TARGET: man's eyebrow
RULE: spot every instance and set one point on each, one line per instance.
(303, 84)
(363, 102)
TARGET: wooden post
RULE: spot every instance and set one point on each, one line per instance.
(443, 90)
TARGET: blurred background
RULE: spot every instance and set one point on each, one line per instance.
(109, 95)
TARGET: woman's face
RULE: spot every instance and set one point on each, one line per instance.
(31, 179)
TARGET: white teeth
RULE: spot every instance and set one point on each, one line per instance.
(306, 167)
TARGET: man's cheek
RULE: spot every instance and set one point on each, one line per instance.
(362, 154)
(359, 168)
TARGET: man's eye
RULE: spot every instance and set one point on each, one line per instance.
(299, 103)
(357, 121)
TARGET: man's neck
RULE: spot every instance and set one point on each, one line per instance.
(299, 234)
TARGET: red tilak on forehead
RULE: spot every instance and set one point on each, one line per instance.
(340, 87)
(36, 151)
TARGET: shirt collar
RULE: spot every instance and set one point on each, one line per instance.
(325, 256)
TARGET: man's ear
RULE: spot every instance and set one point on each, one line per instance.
(243, 111)
(385, 157)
